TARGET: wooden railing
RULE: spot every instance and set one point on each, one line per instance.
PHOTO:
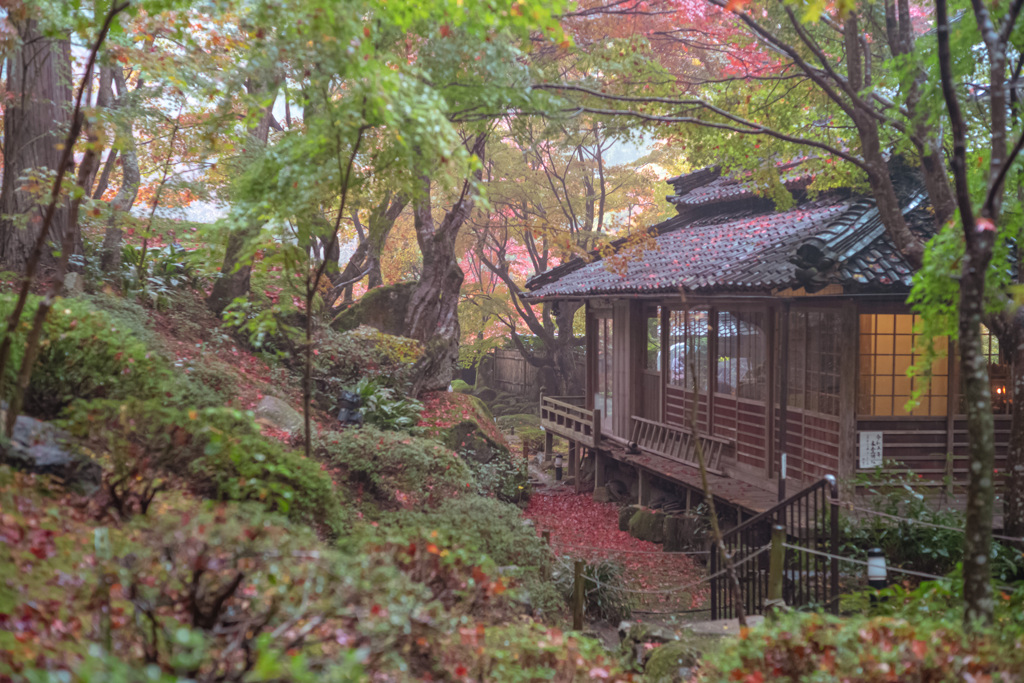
(811, 520)
(566, 416)
(680, 445)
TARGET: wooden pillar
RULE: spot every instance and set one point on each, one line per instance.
(574, 466)
(783, 396)
(712, 366)
(644, 488)
(849, 355)
(600, 463)
(549, 445)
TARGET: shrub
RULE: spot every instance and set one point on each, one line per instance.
(218, 450)
(504, 476)
(905, 542)
(385, 408)
(524, 653)
(603, 589)
(814, 646)
(496, 529)
(346, 357)
(399, 470)
(82, 355)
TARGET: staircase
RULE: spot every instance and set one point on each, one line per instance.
(811, 520)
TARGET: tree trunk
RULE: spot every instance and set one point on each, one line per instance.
(236, 270)
(980, 430)
(37, 111)
(131, 178)
(432, 316)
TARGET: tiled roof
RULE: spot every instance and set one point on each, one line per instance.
(708, 186)
(831, 240)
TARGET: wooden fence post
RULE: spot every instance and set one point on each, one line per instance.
(577, 596)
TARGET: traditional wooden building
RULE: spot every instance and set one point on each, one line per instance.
(795, 325)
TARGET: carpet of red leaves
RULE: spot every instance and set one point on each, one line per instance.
(582, 528)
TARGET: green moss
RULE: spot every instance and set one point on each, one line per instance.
(665, 663)
(382, 308)
(398, 470)
(219, 451)
(648, 525)
(626, 514)
(461, 387)
(83, 354)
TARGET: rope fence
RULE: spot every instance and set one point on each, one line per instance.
(630, 552)
(879, 513)
(899, 570)
(676, 589)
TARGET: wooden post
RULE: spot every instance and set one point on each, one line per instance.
(549, 445)
(577, 596)
(776, 560)
(600, 462)
(644, 487)
(573, 464)
(783, 399)
(849, 345)
(546, 535)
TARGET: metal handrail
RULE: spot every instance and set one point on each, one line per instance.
(811, 520)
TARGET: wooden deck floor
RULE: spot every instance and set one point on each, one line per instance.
(750, 499)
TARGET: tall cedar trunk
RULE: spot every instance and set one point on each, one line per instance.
(110, 251)
(35, 117)
(236, 270)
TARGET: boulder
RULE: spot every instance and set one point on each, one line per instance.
(277, 414)
(648, 525)
(601, 495)
(671, 662)
(382, 308)
(74, 284)
(39, 447)
(626, 514)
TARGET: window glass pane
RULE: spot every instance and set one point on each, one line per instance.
(889, 348)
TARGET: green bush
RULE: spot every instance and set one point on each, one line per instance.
(504, 476)
(82, 355)
(218, 450)
(398, 469)
(817, 647)
(385, 408)
(344, 358)
(907, 543)
(495, 529)
(603, 589)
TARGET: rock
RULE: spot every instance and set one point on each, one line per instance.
(277, 414)
(382, 308)
(602, 495)
(671, 662)
(74, 284)
(684, 532)
(626, 514)
(618, 490)
(487, 395)
(648, 525)
(39, 447)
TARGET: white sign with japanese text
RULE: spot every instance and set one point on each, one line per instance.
(870, 450)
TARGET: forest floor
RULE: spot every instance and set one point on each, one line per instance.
(582, 528)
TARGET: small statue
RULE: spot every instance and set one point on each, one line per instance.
(348, 409)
